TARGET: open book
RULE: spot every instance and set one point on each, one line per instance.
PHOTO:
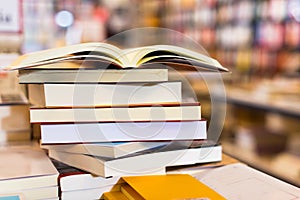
(110, 56)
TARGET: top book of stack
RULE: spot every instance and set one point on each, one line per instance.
(80, 62)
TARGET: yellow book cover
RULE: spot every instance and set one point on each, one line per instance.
(167, 187)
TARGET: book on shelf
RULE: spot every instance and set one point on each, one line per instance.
(109, 56)
(105, 149)
(62, 133)
(168, 187)
(151, 112)
(25, 167)
(9, 136)
(152, 162)
(70, 72)
(13, 98)
(45, 95)
(14, 117)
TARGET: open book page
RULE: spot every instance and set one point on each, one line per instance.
(239, 181)
(107, 54)
(168, 53)
(110, 53)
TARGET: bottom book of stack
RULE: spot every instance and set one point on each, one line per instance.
(27, 171)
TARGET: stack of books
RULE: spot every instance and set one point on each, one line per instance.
(112, 112)
(27, 173)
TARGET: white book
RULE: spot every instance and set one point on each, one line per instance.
(123, 131)
(156, 112)
(144, 163)
(25, 167)
(87, 194)
(68, 95)
(73, 179)
(79, 182)
(105, 149)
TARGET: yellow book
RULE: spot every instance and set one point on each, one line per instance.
(167, 187)
(130, 193)
(116, 195)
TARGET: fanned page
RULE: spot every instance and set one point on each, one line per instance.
(106, 54)
(105, 51)
(170, 54)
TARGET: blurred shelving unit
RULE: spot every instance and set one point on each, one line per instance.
(252, 38)
(259, 42)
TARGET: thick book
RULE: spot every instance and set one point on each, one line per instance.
(118, 113)
(167, 187)
(25, 167)
(66, 72)
(103, 94)
(152, 162)
(63, 133)
(107, 56)
(105, 149)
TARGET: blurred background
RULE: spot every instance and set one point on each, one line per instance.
(258, 40)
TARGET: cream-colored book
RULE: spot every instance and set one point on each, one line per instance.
(120, 113)
(25, 167)
(103, 94)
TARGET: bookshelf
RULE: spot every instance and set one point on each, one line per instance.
(252, 38)
(259, 42)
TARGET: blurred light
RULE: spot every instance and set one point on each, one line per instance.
(294, 9)
(64, 18)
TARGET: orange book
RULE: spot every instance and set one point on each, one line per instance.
(170, 186)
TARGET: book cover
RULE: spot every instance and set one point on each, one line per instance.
(167, 187)
(105, 149)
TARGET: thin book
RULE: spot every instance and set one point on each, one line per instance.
(154, 162)
(118, 113)
(64, 133)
